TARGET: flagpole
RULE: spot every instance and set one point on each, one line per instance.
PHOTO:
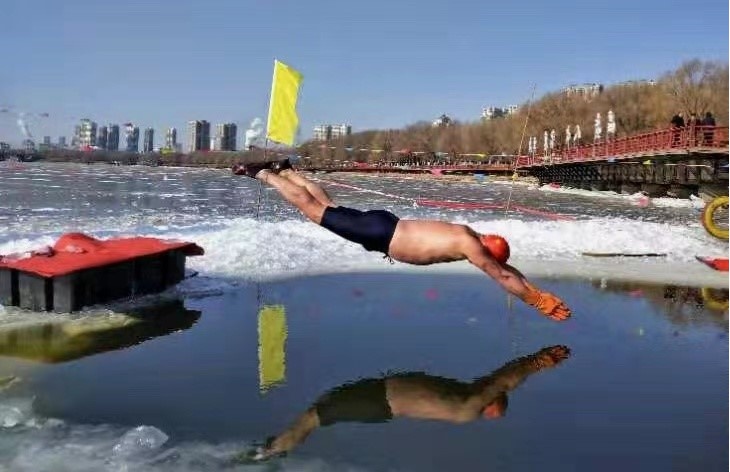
(271, 104)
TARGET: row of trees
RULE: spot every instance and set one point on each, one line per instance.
(196, 159)
(695, 87)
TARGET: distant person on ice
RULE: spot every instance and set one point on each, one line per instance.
(418, 242)
(413, 395)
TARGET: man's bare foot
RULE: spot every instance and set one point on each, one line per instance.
(251, 170)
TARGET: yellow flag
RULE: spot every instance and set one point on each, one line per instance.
(272, 346)
(283, 121)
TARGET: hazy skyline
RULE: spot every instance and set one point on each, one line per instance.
(374, 64)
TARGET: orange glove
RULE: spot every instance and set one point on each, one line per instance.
(548, 304)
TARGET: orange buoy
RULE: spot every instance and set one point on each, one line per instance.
(497, 246)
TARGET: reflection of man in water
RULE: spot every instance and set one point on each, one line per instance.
(414, 395)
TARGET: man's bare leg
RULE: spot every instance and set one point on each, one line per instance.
(294, 194)
(315, 190)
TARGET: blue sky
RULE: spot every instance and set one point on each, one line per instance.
(375, 63)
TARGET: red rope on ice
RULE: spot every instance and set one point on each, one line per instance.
(453, 204)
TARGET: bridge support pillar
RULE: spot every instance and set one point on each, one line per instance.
(655, 190)
(682, 191)
(710, 191)
(613, 187)
(629, 188)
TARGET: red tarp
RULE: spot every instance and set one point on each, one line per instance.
(719, 263)
(77, 251)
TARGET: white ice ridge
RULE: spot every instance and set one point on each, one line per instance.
(246, 248)
(637, 198)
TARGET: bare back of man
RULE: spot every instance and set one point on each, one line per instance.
(424, 242)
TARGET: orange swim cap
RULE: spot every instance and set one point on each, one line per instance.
(497, 246)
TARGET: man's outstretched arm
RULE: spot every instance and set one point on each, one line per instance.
(514, 282)
(289, 439)
(512, 374)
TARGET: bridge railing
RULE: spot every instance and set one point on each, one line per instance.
(411, 167)
(662, 140)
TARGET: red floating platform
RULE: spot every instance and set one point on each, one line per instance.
(80, 271)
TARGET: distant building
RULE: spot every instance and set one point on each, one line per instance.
(45, 145)
(340, 131)
(322, 133)
(61, 142)
(131, 136)
(585, 91)
(442, 120)
(225, 137)
(637, 83)
(326, 132)
(4, 146)
(171, 139)
(75, 137)
(86, 133)
(148, 144)
(112, 143)
(198, 136)
(102, 137)
(490, 113)
(28, 145)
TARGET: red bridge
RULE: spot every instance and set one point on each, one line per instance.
(676, 162)
(697, 142)
(435, 169)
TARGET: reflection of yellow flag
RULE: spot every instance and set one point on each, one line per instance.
(283, 121)
(272, 340)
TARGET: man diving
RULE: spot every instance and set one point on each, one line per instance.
(419, 242)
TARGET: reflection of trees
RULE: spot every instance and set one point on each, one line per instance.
(683, 306)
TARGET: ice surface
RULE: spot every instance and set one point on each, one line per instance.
(139, 440)
(49, 445)
(250, 249)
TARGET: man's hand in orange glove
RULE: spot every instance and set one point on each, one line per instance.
(548, 304)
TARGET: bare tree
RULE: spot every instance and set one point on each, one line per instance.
(693, 85)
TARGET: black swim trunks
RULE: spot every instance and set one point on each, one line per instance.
(373, 229)
(363, 401)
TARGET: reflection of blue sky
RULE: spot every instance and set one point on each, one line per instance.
(649, 393)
